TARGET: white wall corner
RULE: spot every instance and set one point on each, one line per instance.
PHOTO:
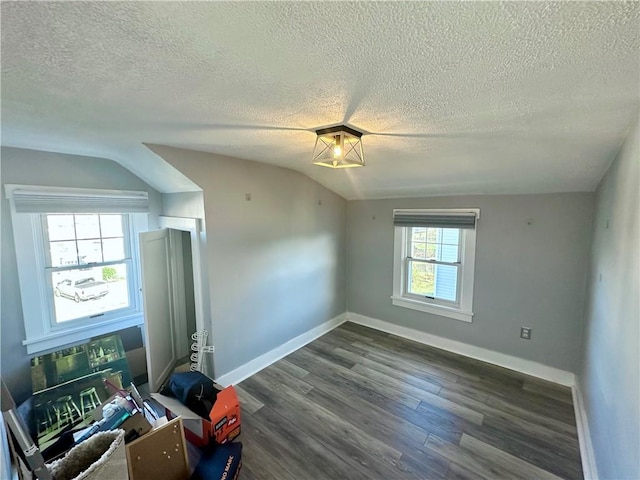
(589, 468)
(521, 365)
(263, 361)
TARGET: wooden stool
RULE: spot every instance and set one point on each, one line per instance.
(89, 400)
(44, 420)
(66, 410)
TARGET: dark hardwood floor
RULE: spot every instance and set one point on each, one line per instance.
(361, 404)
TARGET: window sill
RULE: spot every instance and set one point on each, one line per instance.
(56, 340)
(433, 309)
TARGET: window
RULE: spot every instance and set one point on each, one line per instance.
(433, 263)
(88, 261)
(434, 257)
(77, 261)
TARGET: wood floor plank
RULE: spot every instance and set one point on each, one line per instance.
(275, 446)
(550, 390)
(279, 376)
(473, 455)
(536, 434)
(393, 383)
(375, 428)
(355, 385)
(257, 455)
(422, 353)
(375, 421)
(248, 402)
(450, 408)
(345, 336)
(443, 421)
(352, 444)
(420, 466)
(431, 423)
(417, 368)
(319, 364)
(524, 420)
(394, 373)
(516, 404)
(291, 369)
(484, 468)
(348, 389)
(310, 457)
(505, 395)
(458, 472)
(325, 345)
(326, 353)
(363, 404)
(463, 391)
(364, 332)
(246, 472)
(516, 466)
(527, 448)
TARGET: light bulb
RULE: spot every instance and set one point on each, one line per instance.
(337, 151)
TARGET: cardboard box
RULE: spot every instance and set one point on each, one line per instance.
(135, 426)
(223, 424)
(161, 453)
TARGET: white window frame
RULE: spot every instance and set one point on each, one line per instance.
(42, 332)
(462, 309)
(128, 260)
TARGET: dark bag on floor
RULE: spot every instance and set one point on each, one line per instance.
(194, 390)
(223, 462)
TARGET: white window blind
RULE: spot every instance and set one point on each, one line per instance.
(39, 199)
(434, 219)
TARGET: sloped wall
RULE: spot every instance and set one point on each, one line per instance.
(276, 262)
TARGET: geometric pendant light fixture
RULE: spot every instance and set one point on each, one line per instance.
(338, 147)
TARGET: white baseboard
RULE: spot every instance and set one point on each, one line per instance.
(527, 367)
(589, 469)
(272, 356)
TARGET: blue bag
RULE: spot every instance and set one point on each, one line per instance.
(220, 463)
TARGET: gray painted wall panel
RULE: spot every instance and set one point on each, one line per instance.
(46, 168)
(187, 204)
(276, 263)
(531, 275)
(610, 373)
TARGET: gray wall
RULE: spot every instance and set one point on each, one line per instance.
(45, 168)
(187, 204)
(531, 275)
(610, 373)
(276, 263)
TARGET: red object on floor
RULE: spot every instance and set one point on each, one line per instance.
(223, 424)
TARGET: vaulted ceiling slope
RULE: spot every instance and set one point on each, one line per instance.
(470, 97)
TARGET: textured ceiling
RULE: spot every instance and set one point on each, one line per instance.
(470, 97)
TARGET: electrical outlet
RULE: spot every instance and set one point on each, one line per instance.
(525, 332)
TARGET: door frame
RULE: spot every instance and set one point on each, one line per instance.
(194, 227)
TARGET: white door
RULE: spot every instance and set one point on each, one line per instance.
(158, 308)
